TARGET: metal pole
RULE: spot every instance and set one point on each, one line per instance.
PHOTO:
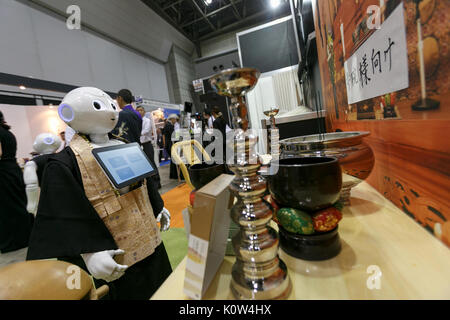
(291, 4)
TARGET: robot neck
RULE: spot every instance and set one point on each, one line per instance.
(99, 139)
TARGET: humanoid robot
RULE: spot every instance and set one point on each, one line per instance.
(82, 219)
(44, 144)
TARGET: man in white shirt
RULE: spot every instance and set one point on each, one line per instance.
(147, 142)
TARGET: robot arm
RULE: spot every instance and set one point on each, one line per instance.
(101, 265)
(164, 218)
(32, 186)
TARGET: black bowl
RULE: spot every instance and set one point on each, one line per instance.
(202, 174)
(305, 183)
(313, 247)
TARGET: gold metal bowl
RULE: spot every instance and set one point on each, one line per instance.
(234, 82)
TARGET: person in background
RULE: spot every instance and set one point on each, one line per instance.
(128, 130)
(62, 135)
(167, 132)
(177, 126)
(129, 126)
(147, 142)
(207, 126)
(209, 119)
(220, 124)
(15, 222)
(227, 135)
(160, 144)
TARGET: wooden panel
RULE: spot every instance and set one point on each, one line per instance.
(425, 134)
(412, 149)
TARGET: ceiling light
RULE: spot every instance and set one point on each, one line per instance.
(275, 3)
(22, 87)
(208, 2)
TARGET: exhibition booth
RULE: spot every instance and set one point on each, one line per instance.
(313, 166)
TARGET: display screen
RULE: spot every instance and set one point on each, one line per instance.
(124, 164)
(269, 48)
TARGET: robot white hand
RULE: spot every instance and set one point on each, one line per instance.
(164, 218)
(101, 265)
(32, 186)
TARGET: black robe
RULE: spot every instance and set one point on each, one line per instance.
(67, 225)
(15, 221)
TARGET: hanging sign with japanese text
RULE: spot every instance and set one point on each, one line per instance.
(380, 65)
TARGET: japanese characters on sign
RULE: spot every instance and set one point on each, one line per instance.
(380, 65)
(198, 85)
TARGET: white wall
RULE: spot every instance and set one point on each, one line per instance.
(219, 44)
(206, 68)
(129, 21)
(29, 121)
(182, 73)
(260, 99)
(39, 45)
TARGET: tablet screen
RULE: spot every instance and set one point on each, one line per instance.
(124, 164)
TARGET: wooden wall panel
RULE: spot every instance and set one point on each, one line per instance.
(412, 150)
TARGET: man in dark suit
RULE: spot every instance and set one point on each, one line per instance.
(219, 122)
(129, 126)
(221, 125)
(167, 132)
(128, 129)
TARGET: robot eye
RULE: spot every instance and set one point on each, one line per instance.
(49, 140)
(97, 105)
(113, 106)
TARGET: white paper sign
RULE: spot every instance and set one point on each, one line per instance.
(380, 65)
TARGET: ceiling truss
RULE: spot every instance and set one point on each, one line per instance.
(199, 21)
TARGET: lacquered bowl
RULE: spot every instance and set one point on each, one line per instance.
(355, 156)
(202, 174)
(314, 247)
(305, 183)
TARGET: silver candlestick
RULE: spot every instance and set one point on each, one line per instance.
(258, 273)
(273, 136)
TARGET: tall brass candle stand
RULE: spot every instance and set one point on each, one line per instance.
(258, 272)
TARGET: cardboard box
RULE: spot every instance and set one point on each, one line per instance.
(209, 228)
(187, 214)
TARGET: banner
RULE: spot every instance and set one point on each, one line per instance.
(380, 65)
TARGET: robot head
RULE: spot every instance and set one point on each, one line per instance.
(46, 143)
(89, 111)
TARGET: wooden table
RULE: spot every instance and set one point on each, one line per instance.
(413, 263)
